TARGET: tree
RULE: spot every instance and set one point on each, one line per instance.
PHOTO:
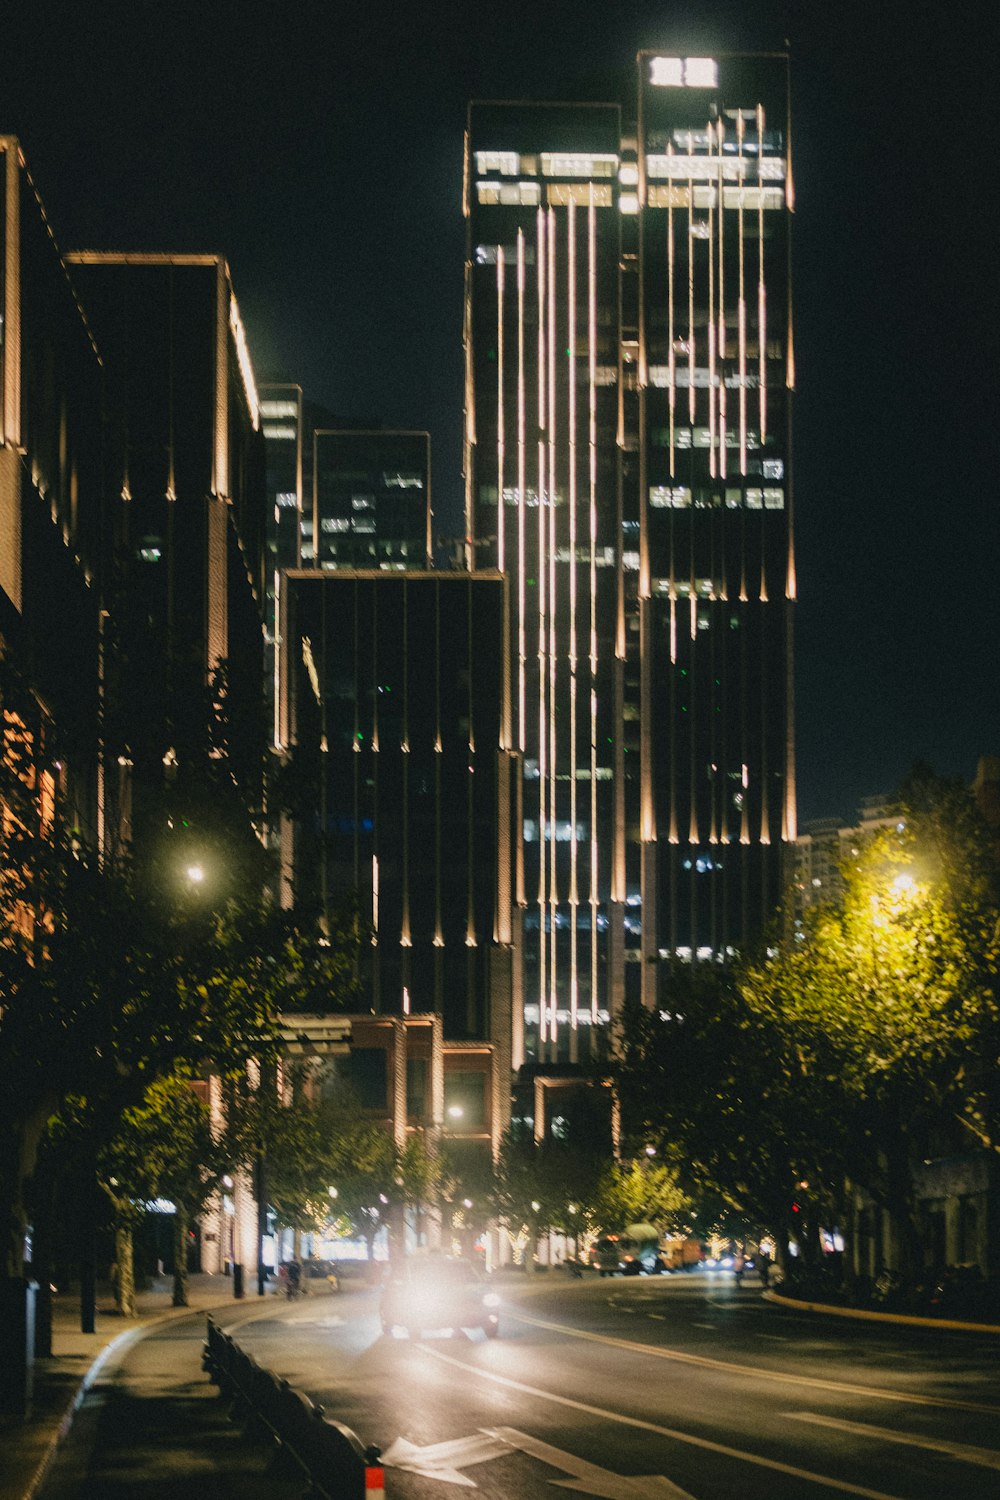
(169, 1137)
(635, 1192)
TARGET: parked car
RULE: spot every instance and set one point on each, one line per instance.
(437, 1293)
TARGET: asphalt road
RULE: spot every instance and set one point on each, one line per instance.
(679, 1386)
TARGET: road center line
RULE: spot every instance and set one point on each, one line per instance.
(757, 1372)
(987, 1458)
(668, 1432)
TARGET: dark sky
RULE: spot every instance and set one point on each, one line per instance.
(319, 145)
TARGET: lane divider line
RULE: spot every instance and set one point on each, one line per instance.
(987, 1458)
(758, 1372)
(706, 1444)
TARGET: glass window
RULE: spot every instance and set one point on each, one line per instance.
(578, 164)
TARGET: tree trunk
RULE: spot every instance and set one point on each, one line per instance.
(125, 1263)
(180, 1297)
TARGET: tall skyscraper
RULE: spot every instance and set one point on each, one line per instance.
(628, 369)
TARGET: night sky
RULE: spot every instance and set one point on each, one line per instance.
(319, 146)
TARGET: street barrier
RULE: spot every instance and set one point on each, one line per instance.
(329, 1456)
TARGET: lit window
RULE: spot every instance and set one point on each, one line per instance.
(754, 499)
(279, 434)
(774, 499)
(506, 163)
(558, 194)
(335, 523)
(278, 409)
(701, 73)
(628, 174)
(362, 502)
(286, 500)
(666, 72)
(774, 468)
(605, 374)
(686, 72)
(364, 524)
(403, 481)
(667, 497)
(630, 562)
(628, 203)
(734, 499)
(578, 164)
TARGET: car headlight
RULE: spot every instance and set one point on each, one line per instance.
(491, 1300)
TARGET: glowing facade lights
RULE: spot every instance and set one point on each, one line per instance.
(692, 290)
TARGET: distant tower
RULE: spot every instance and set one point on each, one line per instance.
(628, 375)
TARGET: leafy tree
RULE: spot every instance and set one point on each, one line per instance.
(636, 1192)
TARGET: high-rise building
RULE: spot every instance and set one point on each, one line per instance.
(186, 467)
(394, 713)
(53, 561)
(628, 375)
(371, 500)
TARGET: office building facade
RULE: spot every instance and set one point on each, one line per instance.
(186, 468)
(627, 458)
(53, 562)
(371, 500)
(394, 715)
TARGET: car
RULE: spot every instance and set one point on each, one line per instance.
(438, 1293)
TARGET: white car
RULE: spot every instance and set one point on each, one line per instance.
(435, 1294)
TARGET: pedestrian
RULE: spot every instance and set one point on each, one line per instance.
(764, 1267)
(294, 1278)
(739, 1266)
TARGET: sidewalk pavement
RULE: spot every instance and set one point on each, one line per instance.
(27, 1446)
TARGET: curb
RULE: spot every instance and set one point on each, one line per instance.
(117, 1345)
(866, 1315)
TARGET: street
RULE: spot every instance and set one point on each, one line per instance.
(674, 1386)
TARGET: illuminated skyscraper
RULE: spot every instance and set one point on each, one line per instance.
(628, 375)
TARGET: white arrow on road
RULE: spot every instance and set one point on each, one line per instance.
(588, 1479)
(443, 1461)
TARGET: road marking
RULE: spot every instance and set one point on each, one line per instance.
(443, 1461)
(758, 1372)
(658, 1317)
(589, 1479)
(987, 1458)
(654, 1427)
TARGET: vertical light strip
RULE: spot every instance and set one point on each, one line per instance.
(470, 768)
(501, 517)
(711, 324)
(671, 330)
(690, 249)
(438, 752)
(573, 848)
(592, 436)
(543, 763)
(720, 138)
(552, 658)
(521, 602)
(742, 306)
(404, 935)
(761, 293)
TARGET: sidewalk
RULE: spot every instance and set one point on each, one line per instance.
(27, 1447)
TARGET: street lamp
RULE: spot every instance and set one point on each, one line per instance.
(195, 874)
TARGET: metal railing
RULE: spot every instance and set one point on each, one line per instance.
(330, 1457)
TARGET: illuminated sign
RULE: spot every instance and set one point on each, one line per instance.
(684, 72)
